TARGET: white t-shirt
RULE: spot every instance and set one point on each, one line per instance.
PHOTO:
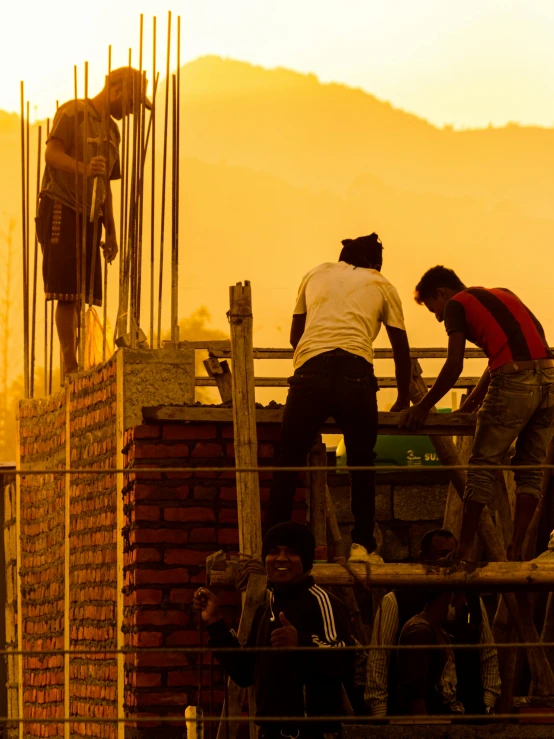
(345, 308)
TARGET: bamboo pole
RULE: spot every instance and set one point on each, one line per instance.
(164, 172)
(175, 270)
(153, 190)
(482, 577)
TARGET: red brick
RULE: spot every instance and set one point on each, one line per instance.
(228, 536)
(162, 577)
(159, 618)
(230, 450)
(144, 639)
(146, 513)
(207, 449)
(161, 451)
(143, 555)
(264, 494)
(161, 659)
(160, 492)
(182, 595)
(147, 597)
(227, 493)
(182, 677)
(196, 514)
(184, 557)
(228, 432)
(228, 515)
(183, 639)
(149, 431)
(299, 515)
(147, 679)
(266, 451)
(202, 536)
(158, 536)
(174, 431)
(169, 698)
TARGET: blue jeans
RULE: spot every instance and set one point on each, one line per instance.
(517, 406)
(341, 385)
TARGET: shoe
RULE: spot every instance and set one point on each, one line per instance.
(358, 553)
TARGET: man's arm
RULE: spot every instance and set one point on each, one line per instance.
(477, 395)
(385, 631)
(56, 158)
(403, 366)
(297, 328)
(448, 375)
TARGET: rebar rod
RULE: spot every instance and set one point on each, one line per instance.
(83, 293)
(28, 234)
(106, 131)
(153, 189)
(164, 171)
(24, 247)
(173, 206)
(121, 315)
(80, 338)
(35, 263)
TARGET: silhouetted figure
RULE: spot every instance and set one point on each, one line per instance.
(338, 314)
(467, 622)
(61, 210)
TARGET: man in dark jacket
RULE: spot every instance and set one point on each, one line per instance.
(298, 613)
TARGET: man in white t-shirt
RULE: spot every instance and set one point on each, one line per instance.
(338, 314)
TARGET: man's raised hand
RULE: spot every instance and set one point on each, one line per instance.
(96, 167)
(286, 636)
(207, 604)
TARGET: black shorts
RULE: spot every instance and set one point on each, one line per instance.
(57, 225)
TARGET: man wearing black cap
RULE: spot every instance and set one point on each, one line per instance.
(298, 613)
(339, 312)
(69, 158)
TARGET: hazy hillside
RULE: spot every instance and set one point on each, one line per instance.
(277, 168)
(325, 136)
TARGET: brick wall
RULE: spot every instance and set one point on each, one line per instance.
(92, 541)
(174, 521)
(42, 444)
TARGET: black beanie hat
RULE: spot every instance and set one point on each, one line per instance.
(293, 535)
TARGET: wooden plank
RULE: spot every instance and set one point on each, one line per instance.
(511, 576)
(384, 382)
(220, 376)
(440, 424)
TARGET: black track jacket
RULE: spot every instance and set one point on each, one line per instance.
(287, 683)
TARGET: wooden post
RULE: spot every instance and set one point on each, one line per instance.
(221, 373)
(248, 491)
(317, 457)
(244, 419)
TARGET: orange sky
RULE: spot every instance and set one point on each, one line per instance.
(467, 63)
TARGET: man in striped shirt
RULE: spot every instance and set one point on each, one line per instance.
(515, 396)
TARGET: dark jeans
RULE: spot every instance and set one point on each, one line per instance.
(341, 385)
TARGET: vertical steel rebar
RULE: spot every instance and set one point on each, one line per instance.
(35, 263)
(24, 248)
(107, 158)
(175, 273)
(84, 223)
(153, 190)
(28, 232)
(164, 171)
(173, 207)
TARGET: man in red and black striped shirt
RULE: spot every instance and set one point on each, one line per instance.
(515, 396)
